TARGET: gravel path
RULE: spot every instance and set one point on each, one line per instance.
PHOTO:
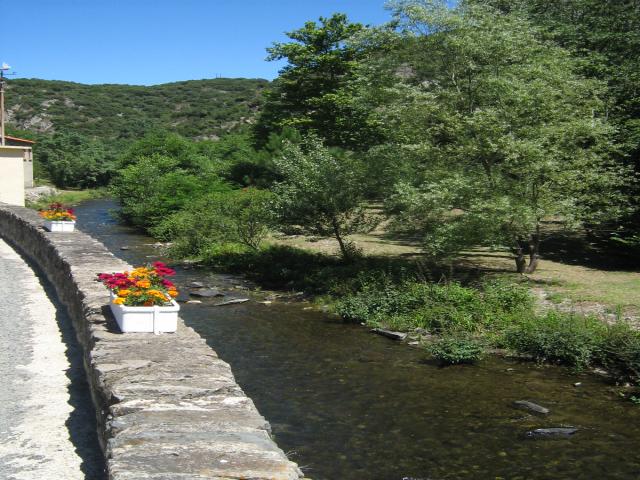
(47, 422)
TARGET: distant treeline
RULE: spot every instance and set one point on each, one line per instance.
(196, 108)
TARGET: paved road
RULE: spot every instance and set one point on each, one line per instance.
(47, 422)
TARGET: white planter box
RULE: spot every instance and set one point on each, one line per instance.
(59, 226)
(145, 319)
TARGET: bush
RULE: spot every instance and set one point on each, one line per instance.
(557, 337)
(456, 348)
(620, 352)
(440, 308)
(235, 216)
(156, 187)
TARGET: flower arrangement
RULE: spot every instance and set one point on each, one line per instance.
(142, 287)
(58, 213)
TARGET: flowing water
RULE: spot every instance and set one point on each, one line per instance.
(349, 405)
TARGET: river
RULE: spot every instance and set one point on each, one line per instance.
(349, 405)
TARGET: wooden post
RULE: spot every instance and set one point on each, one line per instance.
(1, 109)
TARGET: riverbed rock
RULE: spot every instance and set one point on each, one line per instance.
(533, 407)
(182, 297)
(552, 432)
(124, 247)
(390, 334)
(196, 285)
(194, 301)
(233, 301)
(206, 293)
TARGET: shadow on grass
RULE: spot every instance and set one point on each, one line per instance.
(290, 268)
(592, 251)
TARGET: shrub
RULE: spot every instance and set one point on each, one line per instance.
(620, 352)
(438, 307)
(558, 337)
(507, 296)
(456, 348)
(236, 216)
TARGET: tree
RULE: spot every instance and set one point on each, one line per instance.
(72, 160)
(605, 37)
(501, 131)
(321, 191)
(306, 95)
(155, 187)
(223, 217)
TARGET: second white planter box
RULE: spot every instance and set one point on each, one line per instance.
(59, 226)
(146, 319)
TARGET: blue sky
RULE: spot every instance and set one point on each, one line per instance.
(156, 41)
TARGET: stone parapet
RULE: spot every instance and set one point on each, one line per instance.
(167, 407)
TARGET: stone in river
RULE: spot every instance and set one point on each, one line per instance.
(231, 302)
(196, 285)
(182, 297)
(208, 292)
(534, 407)
(194, 301)
(124, 247)
(552, 432)
(390, 334)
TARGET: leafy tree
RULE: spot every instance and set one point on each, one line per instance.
(153, 188)
(185, 153)
(605, 37)
(234, 216)
(71, 160)
(306, 95)
(321, 191)
(500, 131)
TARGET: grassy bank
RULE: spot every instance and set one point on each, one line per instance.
(68, 197)
(576, 271)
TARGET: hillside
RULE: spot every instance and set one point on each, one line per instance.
(196, 108)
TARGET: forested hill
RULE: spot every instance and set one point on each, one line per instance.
(195, 108)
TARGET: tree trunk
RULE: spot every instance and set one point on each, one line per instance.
(336, 233)
(521, 263)
(530, 247)
(534, 250)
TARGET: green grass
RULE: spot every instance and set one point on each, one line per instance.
(68, 198)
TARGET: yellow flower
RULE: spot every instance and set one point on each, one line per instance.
(118, 301)
(143, 283)
(123, 293)
(140, 272)
(173, 293)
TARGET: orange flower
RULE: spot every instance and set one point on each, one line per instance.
(143, 283)
(148, 303)
(173, 293)
(118, 301)
(123, 293)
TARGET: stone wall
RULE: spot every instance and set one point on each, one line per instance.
(167, 407)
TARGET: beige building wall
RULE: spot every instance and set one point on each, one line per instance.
(12, 175)
(28, 167)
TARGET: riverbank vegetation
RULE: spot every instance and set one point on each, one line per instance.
(497, 127)
(470, 127)
(67, 197)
